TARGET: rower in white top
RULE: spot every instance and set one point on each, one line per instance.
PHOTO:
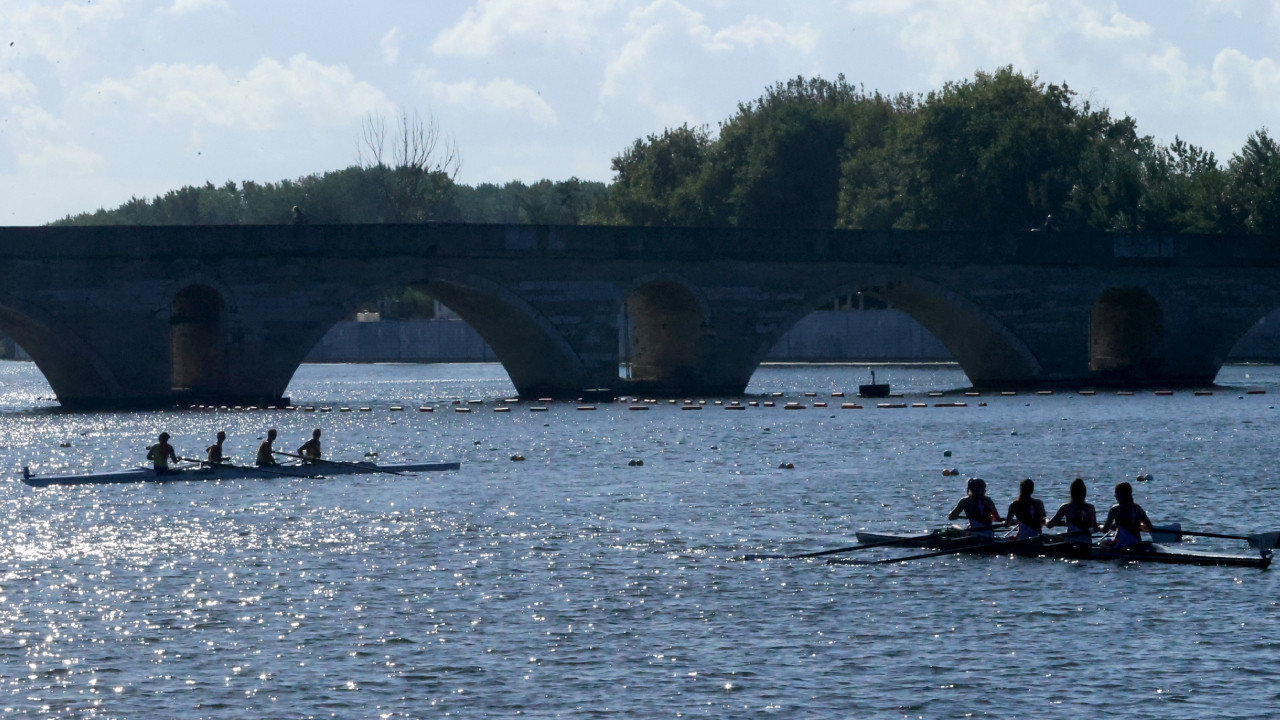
(978, 509)
(1027, 512)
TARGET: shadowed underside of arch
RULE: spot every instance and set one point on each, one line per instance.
(536, 357)
(77, 377)
(198, 342)
(666, 338)
(1125, 328)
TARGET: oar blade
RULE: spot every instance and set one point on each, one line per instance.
(1264, 542)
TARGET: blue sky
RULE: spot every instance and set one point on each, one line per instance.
(101, 100)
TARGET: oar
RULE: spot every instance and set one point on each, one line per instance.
(863, 546)
(233, 466)
(922, 556)
(362, 466)
(851, 548)
(1262, 541)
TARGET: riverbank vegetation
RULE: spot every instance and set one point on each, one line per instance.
(997, 152)
(1001, 151)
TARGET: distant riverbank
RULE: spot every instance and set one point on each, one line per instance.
(820, 337)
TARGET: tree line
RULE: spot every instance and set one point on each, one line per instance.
(999, 151)
(357, 195)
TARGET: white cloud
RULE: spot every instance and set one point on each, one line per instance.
(187, 7)
(494, 24)
(886, 8)
(956, 38)
(54, 32)
(68, 157)
(15, 87)
(391, 46)
(501, 95)
(666, 40)
(259, 100)
(1119, 27)
(25, 123)
(754, 31)
(1229, 7)
(1237, 79)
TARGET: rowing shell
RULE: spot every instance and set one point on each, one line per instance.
(1048, 547)
(231, 472)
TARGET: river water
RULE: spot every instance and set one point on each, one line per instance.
(577, 584)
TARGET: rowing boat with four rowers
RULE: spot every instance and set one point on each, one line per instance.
(232, 472)
(219, 467)
(1127, 521)
(960, 541)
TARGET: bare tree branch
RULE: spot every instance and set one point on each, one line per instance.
(419, 169)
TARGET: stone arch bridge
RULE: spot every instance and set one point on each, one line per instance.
(152, 316)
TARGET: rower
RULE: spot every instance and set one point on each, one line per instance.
(215, 450)
(161, 454)
(266, 454)
(979, 509)
(1127, 519)
(1026, 512)
(310, 449)
(1078, 515)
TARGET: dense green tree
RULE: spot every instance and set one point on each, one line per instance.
(1183, 190)
(1001, 151)
(1254, 185)
(781, 154)
(655, 179)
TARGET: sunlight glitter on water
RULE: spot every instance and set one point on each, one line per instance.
(292, 597)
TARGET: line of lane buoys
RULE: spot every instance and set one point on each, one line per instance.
(464, 406)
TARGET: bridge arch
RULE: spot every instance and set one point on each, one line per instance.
(984, 347)
(528, 345)
(77, 374)
(665, 333)
(1126, 327)
(198, 342)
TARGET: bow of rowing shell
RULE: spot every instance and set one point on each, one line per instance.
(137, 316)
